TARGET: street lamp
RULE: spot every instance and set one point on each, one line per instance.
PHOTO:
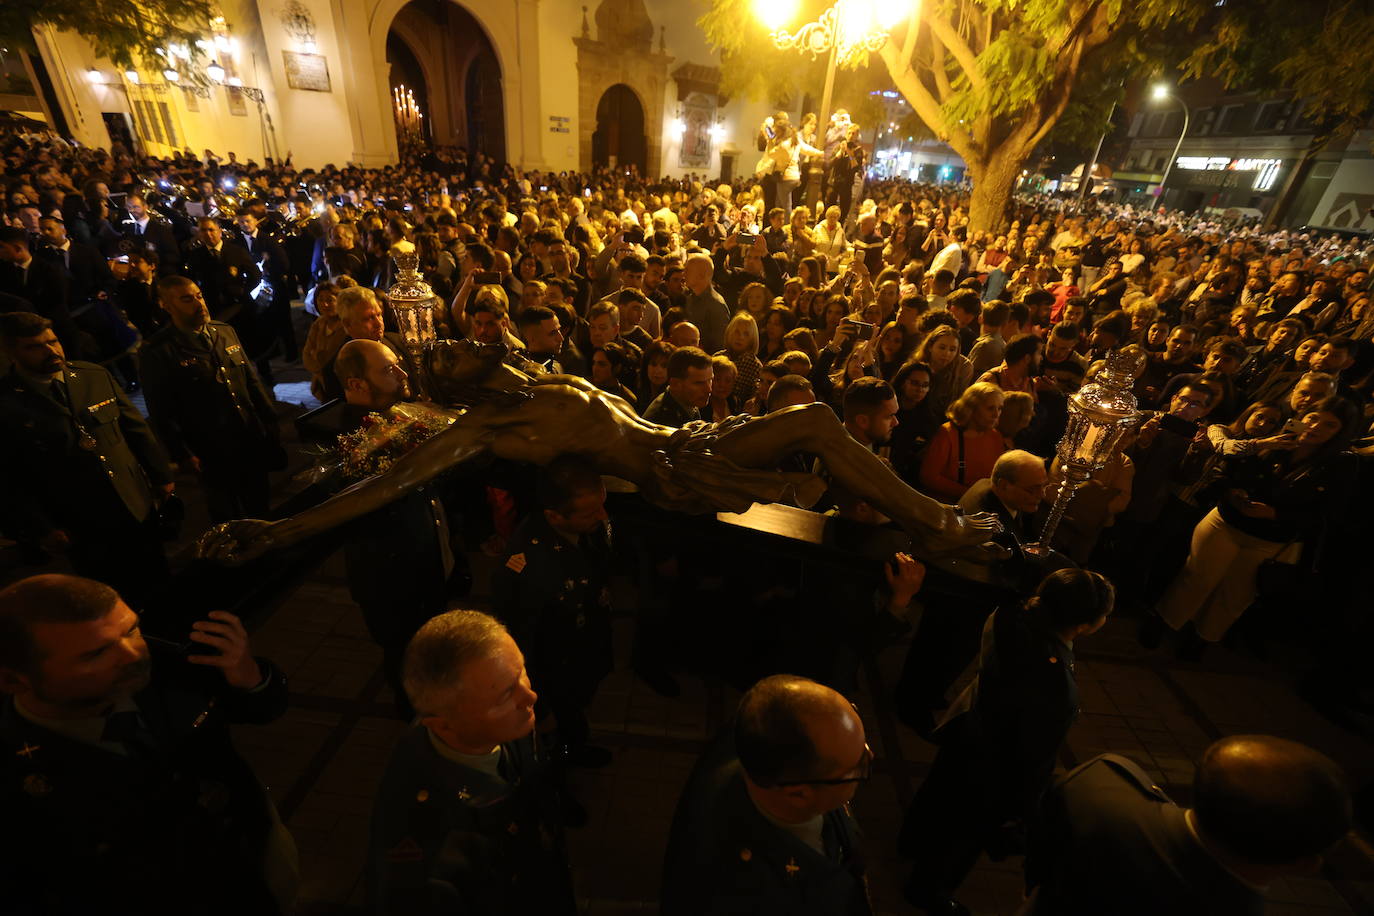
(845, 32)
(1159, 93)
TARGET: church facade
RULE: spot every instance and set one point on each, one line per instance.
(544, 84)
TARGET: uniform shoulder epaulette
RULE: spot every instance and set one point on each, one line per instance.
(1134, 774)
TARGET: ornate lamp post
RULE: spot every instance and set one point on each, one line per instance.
(845, 32)
(1099, 414)
(414, 303)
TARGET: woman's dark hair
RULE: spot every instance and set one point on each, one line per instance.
(1349, 415)
(912, 365)
(1072, 597)
(1237, 426)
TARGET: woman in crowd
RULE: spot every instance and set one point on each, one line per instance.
(967, 445)
(609, 363)
(723, 378)
(1000, 739)
(1274, 502)
(802, 243)
(832, 247)
(742, 348)
(940, 351)
(778, 321)
(916, 423)
(890, 349)
(653, 371)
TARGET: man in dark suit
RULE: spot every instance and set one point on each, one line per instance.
(208, 405)
(88, 273)
(689, 389)
(399, 559)
(145, 229)
(83, 471)
(39, 282)
(116, 764)
(948, 636)
(227, 275)
(267, 252)
(1111, 841)
(136, 294)
(763, 825)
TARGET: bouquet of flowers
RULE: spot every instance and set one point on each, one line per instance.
(381, 441)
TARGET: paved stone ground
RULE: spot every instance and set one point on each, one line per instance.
(323, 759)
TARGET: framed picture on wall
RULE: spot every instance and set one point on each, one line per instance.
(307, 71)
(237, 106)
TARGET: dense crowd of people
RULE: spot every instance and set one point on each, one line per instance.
(952, 352)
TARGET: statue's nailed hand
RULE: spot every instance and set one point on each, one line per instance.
(235, 543)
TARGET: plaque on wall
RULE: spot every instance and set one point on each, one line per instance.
(237, 105)
(307, 71)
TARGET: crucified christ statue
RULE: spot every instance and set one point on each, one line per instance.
(702, 467)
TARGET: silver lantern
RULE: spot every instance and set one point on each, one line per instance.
(415, 305)
(1100, 413)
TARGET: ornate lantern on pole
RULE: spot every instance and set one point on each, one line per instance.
(1100, 413)
(414, 303)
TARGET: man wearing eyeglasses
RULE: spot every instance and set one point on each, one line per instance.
(764, 825)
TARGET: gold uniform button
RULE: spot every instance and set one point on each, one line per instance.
(745, 855)
(422, 795)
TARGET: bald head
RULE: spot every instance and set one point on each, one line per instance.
(698, 271)
(790, 729)
(371, 374)
(1269, 801)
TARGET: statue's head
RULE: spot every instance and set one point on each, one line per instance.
(455, 367)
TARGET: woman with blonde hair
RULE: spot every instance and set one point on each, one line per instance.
(742, 349)
(953, 372)
(802, 243)
(967, 445)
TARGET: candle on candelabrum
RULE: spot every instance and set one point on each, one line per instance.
(407, 112)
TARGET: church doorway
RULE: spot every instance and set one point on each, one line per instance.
(619, 140)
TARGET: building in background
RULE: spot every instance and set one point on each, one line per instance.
(547, 85)
(1241, 153)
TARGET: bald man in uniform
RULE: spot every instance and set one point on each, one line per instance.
(764, 825)
(1112, 841)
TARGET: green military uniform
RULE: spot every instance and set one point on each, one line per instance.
(725, 857)
(80, 458)
(148, 809)
(553, 596)
(206, 399)
(457, 840)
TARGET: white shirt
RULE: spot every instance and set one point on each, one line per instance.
(950, 258)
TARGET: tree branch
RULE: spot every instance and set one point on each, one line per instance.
(963, 54)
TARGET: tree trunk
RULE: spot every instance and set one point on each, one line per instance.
(993, 183)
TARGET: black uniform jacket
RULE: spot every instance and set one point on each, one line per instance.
(206, 401)
(452, 840)
(52, 481)
(1112, 843)
(726, 859)
(177, 827)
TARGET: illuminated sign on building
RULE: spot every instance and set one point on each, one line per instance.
(1267, 170)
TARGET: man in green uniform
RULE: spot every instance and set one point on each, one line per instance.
(466, 819)
(552, 591)
(82, 470)
(121, 787)
(764, 826)
(208, 405)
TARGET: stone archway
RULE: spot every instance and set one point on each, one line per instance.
(466, 105)
(619, 140)
(620, 59)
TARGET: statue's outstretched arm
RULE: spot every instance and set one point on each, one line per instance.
(246, 539)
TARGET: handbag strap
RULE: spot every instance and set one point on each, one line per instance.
(960, 429)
